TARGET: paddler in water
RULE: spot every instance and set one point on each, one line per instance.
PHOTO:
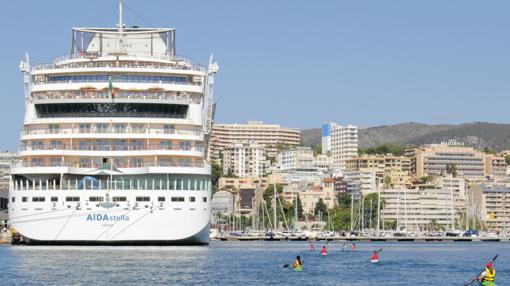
(298, 264)
(375, 256)
(488, 276)
(324, 250)
(354, 247)
(312, 247)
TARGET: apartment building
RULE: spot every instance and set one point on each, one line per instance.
(433, 159)
(310, 194)
(495, 166)
(5, 162)
(419, 209)
(493, 203)
(272, 136)
(344, 145)
(245, 159)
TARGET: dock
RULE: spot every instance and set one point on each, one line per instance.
(370, 239)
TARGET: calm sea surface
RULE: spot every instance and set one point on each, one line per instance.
(251, 263)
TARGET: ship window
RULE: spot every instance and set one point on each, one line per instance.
(143, 199)
(54, 199)
(204, 199)
(119, 199)
(161, 199)
(109, 109)
(96, 199)
(72, 199)
(13, 199)
(24, 199)
(177, 199)
(38, 199)
(192, 199)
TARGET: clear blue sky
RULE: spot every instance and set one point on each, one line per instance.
(300, 63)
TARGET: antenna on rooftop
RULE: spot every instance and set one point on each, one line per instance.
(121, 25)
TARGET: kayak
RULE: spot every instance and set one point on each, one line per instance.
(374, 260)
(324, 253)
(298, 269)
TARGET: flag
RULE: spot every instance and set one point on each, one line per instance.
(110, 88)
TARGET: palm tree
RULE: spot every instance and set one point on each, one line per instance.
(451, 169)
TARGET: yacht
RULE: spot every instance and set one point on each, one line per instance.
(114, 143)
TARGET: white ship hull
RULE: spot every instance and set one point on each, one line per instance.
(148, 223)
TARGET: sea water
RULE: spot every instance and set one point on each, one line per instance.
(252, 263)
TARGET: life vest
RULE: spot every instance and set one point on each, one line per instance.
(489, 275)
(324, 251)
(375, 256)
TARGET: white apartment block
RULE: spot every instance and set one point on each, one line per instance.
(295, 159)
(344, 145)
(416, 209)
(271, 136)
(245, 159)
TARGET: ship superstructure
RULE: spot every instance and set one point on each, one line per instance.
(113, 144)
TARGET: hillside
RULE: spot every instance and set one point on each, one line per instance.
(478, 134)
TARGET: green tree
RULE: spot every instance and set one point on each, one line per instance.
(387, 181)
(299, 207)
(426, 179)
(344, 201)
(216, 174)
(451, 169)
(488, 150)
(340, 218)
(317, 149)
(507, 159)
(383, 150)
(321, 207)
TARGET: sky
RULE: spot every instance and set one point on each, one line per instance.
(299, 63)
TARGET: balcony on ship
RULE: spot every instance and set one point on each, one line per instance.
(91, 93)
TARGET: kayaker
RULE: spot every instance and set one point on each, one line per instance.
(375, 256)
(488, 275)
(324, 250)
(354, 247)
(312, 247)
(298, 264)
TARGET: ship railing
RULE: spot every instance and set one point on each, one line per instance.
(181, 63)
(108, 147)
(85, 80)
(112, 130)
(56, 95)
(171, 163)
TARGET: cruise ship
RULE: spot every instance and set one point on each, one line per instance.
(114, 143)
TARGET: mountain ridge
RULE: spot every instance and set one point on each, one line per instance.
(409, 134)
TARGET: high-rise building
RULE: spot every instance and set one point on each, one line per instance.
(326, 138)
(272, 136)
(494, 166)
(491, 205)
(344, 145)
(245, 159)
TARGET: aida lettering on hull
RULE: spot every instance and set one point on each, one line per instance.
(105, 217)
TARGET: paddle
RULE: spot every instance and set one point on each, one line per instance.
(287, 265)
(471, 281)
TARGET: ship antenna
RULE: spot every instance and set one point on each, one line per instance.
(121, 25)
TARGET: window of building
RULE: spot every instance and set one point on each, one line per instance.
(54, 199)
(161, 199)
(177, 199)
(143, 199)
(96, 199)
(24, 199)
(119, 199)
(72, 199)
(204, 199)
(192, 199)
(38, 199)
